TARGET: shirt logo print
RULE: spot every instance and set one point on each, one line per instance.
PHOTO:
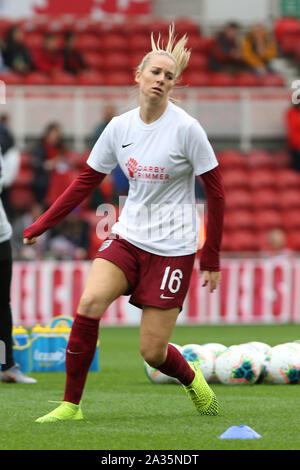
(131, 166)
(147, 173)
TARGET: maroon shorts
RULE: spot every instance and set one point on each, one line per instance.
(158, 281)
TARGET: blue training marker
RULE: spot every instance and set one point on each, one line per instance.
(240, 432)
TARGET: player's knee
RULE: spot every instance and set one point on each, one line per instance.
(154, 356)
(91, 306)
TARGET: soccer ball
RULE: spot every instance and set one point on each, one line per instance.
(282, 364)
(238, 365)
(202, 356)
(261, 347)
(216, 349)
(157, 377)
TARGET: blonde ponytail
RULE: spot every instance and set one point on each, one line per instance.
(175, 50)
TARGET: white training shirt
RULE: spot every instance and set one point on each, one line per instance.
(5, 227)
(160, 160)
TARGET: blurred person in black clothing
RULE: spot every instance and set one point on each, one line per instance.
(16, 55)
(225, 54)
(73, 61)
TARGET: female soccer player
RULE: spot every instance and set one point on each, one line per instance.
(160, 148)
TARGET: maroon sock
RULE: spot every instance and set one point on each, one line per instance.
(79, 355)
(176, 366)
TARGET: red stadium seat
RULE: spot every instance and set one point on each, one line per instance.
(293, 240)
(36, 78)
(287, 44)
(287, 178)
(241, 240)
(135, 59)
(265, 198)
(198, 61)
(139, 42)
(236, 178)
(114, 42)
(286, 27)
(91, 78)
(63, 78)
(223, 79)
(229, 159)
(204, 44)
(289, 198)
(238, 199)
(93, 59)
(246, 79)
(261, 178)
(272, 79)
(259, 159)
(267, 219)
(159, 25)
(291, 219)
(197, 79)
(186, 26)
(134, 26)
(116, 61)
(239, 219)
(89, 42)
(196, 43)
(121, 78)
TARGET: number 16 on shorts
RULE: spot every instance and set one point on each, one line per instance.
(171, 279)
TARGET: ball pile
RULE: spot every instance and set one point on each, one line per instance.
(243, 364)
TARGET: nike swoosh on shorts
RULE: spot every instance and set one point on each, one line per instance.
(162, 296)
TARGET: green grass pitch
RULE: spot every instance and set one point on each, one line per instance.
(124, 411)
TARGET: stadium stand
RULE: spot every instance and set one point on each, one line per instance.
(106, 47)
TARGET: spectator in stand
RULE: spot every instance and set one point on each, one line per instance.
(259, 49)
(276, 246)
(49, 58)
(73, 60)
(293, 134)
(16, 55)
(225, 53)
(61, 173)
(70, 239)
(107, 114)
(44, 159)
(28, 253)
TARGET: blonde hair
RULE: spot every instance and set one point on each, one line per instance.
(175, 50)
